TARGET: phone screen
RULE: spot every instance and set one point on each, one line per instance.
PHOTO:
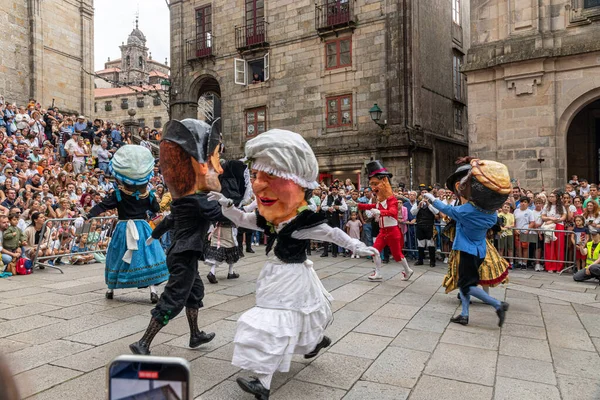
(129, 380)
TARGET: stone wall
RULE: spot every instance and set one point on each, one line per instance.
(527, 81)
(14, 64)
(47, 43)
(295, 95)
(118, 115)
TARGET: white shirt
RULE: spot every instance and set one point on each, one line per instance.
(343, 206)
(523, 218)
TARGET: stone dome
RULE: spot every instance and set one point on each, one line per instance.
(136, 37)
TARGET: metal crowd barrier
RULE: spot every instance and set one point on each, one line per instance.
(77, 244)
(531, 237)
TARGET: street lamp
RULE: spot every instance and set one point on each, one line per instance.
(165, 85)
(375, 113)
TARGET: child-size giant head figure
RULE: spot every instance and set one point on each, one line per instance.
(132, 167)
(379, 180)
(284, 170)
(189, 157)
(485, 183)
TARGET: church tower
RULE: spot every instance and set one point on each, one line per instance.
(134, 57)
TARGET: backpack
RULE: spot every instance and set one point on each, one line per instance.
(23, 266)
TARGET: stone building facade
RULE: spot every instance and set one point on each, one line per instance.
(132, 82)
(318, 68)
(46, 46)
(533, 72)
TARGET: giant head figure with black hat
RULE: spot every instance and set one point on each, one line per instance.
(189, 157)
(379, 180)
(485, 183)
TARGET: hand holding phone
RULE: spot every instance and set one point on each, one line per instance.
(148, 377)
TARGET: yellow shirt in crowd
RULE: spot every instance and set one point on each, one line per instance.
(510, 222)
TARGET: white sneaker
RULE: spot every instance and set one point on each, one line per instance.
(538, 267)
(446, 260)
(405, 276)
(375, 276)
(357, 256)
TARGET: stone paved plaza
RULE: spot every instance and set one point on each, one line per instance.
(392, 340)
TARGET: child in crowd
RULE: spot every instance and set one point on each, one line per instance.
(354, 229)
(579, 240)
(13, 238)
(505, 241)
(80, 246)
(537, 224)
(524, 219)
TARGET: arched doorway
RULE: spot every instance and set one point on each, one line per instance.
(583, 143)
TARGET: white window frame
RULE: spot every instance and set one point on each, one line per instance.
(456, 12)
(241, 66)
(266, 70)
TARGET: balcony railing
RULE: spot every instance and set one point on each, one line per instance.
(200, 47)
(334, 15)
(251, 36)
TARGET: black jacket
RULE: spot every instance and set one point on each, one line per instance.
(189, 221)
(128, 208)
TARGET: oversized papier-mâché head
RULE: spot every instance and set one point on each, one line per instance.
(284, 170)
(190, 157)
(132, 166)
(485, 183)
(379, 180)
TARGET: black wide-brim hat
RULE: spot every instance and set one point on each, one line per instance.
(376, 168)
(460, 173)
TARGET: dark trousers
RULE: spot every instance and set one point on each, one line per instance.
(240, 238)
(184, 288)
(581, 275)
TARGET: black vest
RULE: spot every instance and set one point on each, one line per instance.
(288, 249)
(333, 218)
(425, 217)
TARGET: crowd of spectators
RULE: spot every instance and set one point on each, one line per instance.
(54, 164)
(541, 230)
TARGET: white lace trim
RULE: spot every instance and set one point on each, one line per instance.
(285, 175)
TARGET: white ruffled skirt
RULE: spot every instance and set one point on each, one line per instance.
(292, 311)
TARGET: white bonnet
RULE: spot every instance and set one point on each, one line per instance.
(284, 154)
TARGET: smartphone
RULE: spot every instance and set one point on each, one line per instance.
(148, 377)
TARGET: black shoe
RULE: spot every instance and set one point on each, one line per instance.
(254, 387)
(459, 319)
(386, 261)
(524, 267)
(212, 278)
(501, 313)
(324, 255)
(335, 256)
(153, 297)
(137, 348)
(234, 275)
(249, 250)
(201, 338)
(431, 265)
(325, 342)
(420, 262)
(308, 252)
(41, 267)
(109, 295)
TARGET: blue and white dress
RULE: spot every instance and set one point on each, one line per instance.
(130, 263)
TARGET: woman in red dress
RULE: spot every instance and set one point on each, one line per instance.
(554, 250)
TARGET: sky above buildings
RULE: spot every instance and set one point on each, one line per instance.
(115, 19)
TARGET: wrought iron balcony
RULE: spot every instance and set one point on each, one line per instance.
(251, 36)
(334, 15)
(201, 47)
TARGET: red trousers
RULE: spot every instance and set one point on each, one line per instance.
(393, 238)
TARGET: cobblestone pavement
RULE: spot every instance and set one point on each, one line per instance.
(392, 340)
